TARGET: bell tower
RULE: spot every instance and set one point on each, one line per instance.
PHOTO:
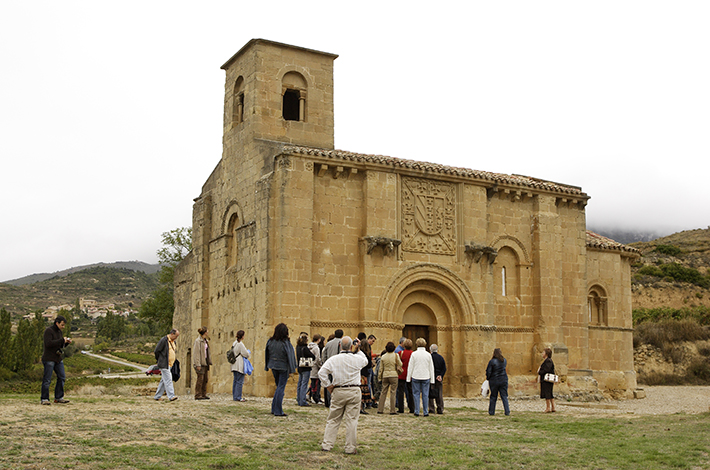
(278, 92)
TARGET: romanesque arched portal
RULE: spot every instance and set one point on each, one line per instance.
(430, 301)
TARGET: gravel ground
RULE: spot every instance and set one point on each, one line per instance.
(660, 400)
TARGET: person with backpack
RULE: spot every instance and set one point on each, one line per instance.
(240, 353)
(165, 355)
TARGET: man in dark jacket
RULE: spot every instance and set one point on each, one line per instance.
(438, 386)
(165, 355)
(54, 340)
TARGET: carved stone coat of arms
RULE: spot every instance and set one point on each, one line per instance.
(428, 216)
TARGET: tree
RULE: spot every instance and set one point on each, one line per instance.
(39, 324)
(111, 327)
(5, 339)
(24, 346)
(160, 306)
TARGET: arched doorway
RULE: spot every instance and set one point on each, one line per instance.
(418, 319)
(431, 302)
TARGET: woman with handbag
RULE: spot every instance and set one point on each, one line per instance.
(315, 348)
(306, 359)
(201, 361)
(280, 358)
(497, 376)
(240, 352)
(547, 367)
(388, 372)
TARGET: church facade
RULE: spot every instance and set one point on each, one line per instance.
(288, 229)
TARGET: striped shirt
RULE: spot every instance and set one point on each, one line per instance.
(344, 367)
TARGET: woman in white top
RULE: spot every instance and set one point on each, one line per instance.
(421, 373)
(241, 352)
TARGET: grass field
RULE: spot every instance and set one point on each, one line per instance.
(135, 432)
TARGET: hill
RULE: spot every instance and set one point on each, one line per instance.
(120, 286)
(132, 265)
(674, 271)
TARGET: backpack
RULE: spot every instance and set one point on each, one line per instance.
(231, 357)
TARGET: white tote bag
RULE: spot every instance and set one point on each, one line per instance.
(485, 389)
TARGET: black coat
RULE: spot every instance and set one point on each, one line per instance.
(53, 342)
(439, 365)
(303, 351)
(495, 372)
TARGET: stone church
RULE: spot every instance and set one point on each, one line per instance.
(288, 229)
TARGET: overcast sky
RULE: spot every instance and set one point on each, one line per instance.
(111, 112)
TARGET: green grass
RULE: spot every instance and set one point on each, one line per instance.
(76, 368)
(139, 433)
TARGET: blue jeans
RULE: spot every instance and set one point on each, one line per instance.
(302, 387)
(58, 369)
(496, 388)
(237, 385)
(280, 377)
(165, 385)
(421, 387)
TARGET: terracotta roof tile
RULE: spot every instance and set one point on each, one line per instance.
(594, 240)
(496, 178)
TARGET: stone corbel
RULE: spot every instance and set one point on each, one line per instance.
(476, 251)
(387, 244)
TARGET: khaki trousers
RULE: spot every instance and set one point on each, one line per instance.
(344, 406)
(201, 382)
(389, 385)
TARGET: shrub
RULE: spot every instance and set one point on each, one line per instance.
(664, 334)
(700, 314)
(670, 250)
(658, 378)
(676, 272)
(651, 271)
(699, 370)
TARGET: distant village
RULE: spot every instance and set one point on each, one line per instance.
(92, 308)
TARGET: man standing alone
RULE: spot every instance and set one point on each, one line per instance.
(165, 355)
(54, 340)
(345, 389)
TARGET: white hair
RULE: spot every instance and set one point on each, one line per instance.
(346, 343)
(433, 348)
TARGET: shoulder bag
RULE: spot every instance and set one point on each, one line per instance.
(552, 378)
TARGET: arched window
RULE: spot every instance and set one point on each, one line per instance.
(597, 306)
(294, 97)
(232, 241)
(238, 102)
(507, 279)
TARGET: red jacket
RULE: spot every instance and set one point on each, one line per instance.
(404, 354)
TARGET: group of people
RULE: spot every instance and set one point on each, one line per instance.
(344, 368)
(347, 371)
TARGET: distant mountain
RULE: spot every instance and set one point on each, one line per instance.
(121, 286)
(627, 236)
(130, 265)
